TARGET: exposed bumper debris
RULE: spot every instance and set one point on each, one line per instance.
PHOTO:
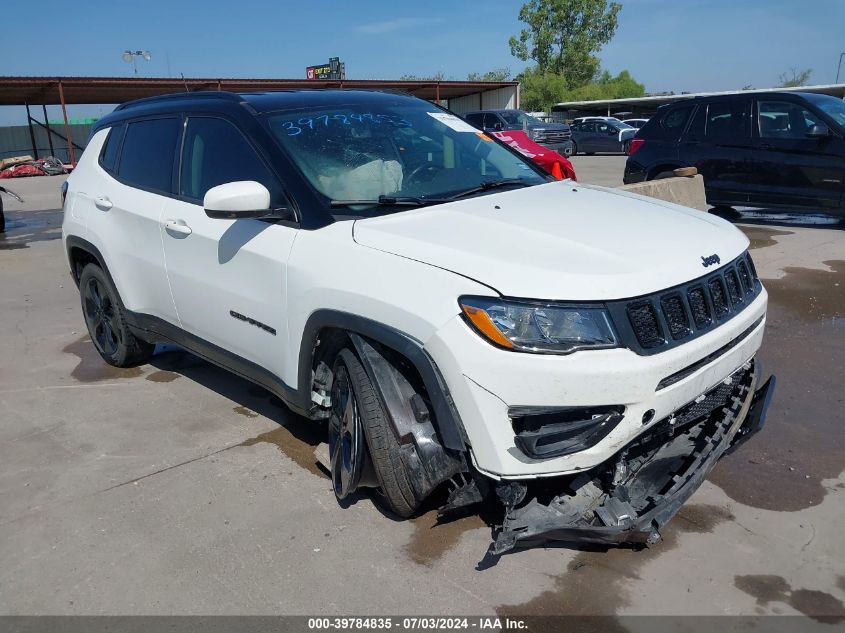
(628, 499)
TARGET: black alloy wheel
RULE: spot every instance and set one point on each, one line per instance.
(346, 439)
(100, 317)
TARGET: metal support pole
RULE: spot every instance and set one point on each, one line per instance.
(49, 131)
(839, 67)
(31, 132)
(71, 156)
(437, 92)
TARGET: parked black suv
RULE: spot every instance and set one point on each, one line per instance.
(555, 136)
(757, 149)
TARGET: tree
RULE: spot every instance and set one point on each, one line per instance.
(794, 78)
(564, 35)
(438, 76)
(541, 91)
(497, 74)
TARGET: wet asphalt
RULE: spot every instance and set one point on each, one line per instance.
(176, 487)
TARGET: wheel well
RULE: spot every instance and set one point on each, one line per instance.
(330, 340)
(661, 168)
(79, 258)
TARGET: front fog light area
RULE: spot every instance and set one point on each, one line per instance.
(539, 327)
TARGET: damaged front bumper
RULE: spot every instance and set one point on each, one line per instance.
(630, 497)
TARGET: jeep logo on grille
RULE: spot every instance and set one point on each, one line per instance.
(709, 261)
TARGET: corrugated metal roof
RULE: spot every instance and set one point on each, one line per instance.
(88, 90)
(835, 90)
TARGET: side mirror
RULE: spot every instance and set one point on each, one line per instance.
(820, 130)
(498, 127)
(240, 200)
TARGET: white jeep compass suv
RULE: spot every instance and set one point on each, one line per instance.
(460, 321)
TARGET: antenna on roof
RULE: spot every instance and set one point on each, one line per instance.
(185, 82)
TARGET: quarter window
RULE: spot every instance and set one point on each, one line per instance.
(675, 121)
(215, 153)
(148, 152)
(108, 157)
(783, 119)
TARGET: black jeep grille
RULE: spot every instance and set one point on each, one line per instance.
(676, 316)
(656, 322)
(646, 327)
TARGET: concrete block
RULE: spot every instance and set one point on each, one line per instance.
(687, 191)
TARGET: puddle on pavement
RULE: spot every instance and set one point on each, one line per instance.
(91, 367)
(818, 605)
(762, 236)
(24, 228)
(162, 376)
(431, 540)
(612, 571)
(297, 440)
(249, 413)
(783, 467)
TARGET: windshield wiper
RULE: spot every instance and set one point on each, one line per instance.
(393, 201)
(416, 201)
(490, 184)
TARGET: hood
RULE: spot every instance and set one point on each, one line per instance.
(559, 241)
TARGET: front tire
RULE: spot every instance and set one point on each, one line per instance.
(395, 486)
(105, 318)
(626, 148)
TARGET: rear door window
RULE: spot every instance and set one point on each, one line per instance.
(728, 121)
(490, 121)
(475, 118)
(148, 153)
(215, 152)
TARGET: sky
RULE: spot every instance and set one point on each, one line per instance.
(679, 45)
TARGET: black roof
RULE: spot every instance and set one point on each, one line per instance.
(252, 102)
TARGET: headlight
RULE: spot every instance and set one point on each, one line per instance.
(539, 327)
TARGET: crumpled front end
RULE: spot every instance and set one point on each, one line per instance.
(631, 496)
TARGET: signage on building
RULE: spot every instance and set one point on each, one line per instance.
(335, 69)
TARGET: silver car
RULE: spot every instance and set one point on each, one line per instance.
(590, 137)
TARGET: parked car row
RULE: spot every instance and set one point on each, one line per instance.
(761, 149)
(555, 136)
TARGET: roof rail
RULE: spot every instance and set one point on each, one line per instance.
(174, 96)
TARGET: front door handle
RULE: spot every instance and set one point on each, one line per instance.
(177, 226)
(103, 203)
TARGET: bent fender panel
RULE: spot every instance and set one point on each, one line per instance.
(446, 417)
(428, 464)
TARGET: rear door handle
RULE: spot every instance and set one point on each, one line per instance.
(177, 226)
(103, 203)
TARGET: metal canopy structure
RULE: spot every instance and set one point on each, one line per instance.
(43, 91)
(91, 90)
(650, 104)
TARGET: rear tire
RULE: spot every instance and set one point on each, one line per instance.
(574, 149)
(395, 486)
(626, 148)
(105, 318)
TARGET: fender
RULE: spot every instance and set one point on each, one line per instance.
(71, 242)
(446, 417)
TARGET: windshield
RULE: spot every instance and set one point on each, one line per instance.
(515, 117)
(834, 108)
(396, 149)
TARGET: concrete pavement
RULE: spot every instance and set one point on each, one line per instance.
(176, 487)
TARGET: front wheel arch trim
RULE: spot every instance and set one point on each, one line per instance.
(446, 416)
